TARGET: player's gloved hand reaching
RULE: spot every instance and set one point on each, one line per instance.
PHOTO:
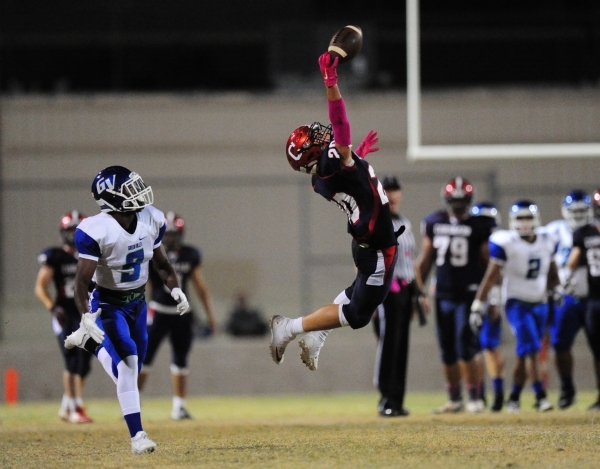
(368, 144)
(569, 287)
(328, 69)
(182, 302)
(88, 329)
(476, 316)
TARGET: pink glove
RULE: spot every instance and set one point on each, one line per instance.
(395, 286)
(328, 69)
(366, 146)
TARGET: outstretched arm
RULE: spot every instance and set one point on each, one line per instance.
(337, 109)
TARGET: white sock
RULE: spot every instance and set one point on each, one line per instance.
(71, 404)
(79, 402)
(64, 404)
(295, 326)
(127, 390)
(178, 402)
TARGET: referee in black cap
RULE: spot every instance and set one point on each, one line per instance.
(392, 318)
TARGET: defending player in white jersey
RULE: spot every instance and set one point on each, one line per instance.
(569, 315)
(524, 256)
(115, 248)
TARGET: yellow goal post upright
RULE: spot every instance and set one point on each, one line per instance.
(416, 151)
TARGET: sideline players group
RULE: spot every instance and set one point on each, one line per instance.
(546, 280)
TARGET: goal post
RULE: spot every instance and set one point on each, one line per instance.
(416, 151)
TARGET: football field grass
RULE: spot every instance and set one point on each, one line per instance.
(307, 431)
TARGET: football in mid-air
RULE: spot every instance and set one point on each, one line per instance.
(346, 43)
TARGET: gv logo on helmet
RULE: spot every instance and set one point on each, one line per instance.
(105, 183)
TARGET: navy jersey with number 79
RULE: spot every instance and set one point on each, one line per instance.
(457, 249)
(357, 191)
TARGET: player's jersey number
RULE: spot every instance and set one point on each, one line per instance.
(130, 272)
(533, 268)
(593, 259)
(456, 246)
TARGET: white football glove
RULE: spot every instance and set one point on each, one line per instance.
(476, 316)
(87, 329)
(182, 302)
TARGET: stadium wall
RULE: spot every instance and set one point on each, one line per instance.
(219, 161)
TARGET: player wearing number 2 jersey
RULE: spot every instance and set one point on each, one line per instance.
(115, 248)
(456, 243)
(525, 256)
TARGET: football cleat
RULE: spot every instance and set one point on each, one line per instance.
(543, 405)
(181, 414)
(498, 402)
(475, 406)
(79, 416)
(450, 407)
(63, 414)
(566, 398)
(279, 338)
(141, 444)
(513, 407)
(311, 345)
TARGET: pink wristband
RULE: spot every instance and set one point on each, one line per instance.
(339, 122)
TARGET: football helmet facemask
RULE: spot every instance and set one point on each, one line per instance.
(486, 209)
(117, 189)
(306, 144)
(457, 194)
(577, 209)
(524, 217)
(68, 223)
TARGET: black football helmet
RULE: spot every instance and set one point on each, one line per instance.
(68, 223)
(306, 144)
(117, 189)
(458, 194)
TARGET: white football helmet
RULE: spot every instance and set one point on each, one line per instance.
(524, 217)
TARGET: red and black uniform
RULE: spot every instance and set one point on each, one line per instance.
(357, 191)
(64, 265)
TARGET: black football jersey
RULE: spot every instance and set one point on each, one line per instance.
(357, 191)
(184, 261)
(587, 238)
(457, 249)
(64, 266)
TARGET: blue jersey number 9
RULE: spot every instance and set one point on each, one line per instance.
(131, 270)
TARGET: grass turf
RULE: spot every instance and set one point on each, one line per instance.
(316, 431)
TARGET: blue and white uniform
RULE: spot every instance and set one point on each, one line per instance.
(525, 273)
(123, 265)
(569, 317)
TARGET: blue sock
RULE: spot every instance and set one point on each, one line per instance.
(515, 394)
(134, 423)
(538, 389)
(498, 384)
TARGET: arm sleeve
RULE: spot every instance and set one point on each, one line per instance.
(87, 246)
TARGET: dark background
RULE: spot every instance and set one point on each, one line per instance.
(194, 45)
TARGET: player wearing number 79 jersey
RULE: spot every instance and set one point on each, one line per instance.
(456, 243)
